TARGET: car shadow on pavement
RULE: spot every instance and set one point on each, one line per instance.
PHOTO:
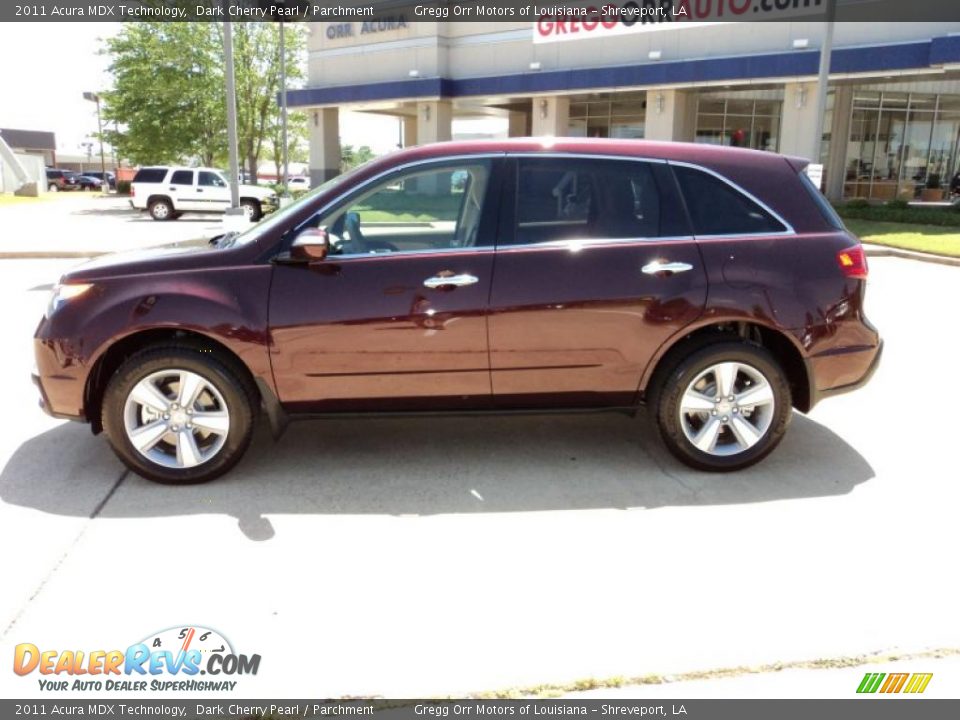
(427, 466)
(133, 215)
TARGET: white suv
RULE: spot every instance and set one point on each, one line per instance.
(168, 192)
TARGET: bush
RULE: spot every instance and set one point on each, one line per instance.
(857, 203)
(897, 204)
(123, 187)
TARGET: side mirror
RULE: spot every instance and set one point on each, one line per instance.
(311, 245)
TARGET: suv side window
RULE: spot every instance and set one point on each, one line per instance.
(182, 177)
(717, 208)
(150, 175)
(432, 208)
(210, 179)
(565, 199)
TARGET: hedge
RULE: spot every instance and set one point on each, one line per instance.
(898, 213)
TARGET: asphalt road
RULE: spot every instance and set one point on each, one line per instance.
(412, 557)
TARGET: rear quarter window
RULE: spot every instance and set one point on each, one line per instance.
(823, 205)
(150, 175)
(718, 208)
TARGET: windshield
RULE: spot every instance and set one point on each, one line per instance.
(279, 217)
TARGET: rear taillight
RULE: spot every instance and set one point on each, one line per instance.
(853, 262)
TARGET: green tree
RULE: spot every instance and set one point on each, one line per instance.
(167, 93)
(296, 139)
(168, 89)
(350, 157)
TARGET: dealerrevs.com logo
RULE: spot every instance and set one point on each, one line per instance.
(172, 659)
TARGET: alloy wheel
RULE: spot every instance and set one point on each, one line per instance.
(176, 418)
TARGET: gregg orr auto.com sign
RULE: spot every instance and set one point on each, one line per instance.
(559, 23)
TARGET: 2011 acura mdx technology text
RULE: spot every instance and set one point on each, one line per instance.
(714, 285)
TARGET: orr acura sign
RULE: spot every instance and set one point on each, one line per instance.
(348, 30)
(558, 23)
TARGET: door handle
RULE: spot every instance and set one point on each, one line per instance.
(438, 281)
(199, 189)
(658, 267)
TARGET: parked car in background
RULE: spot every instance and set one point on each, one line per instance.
(111, 177)
(168, 192)
(298, 183)
(89, 183)
(58, 179)
(713, 285)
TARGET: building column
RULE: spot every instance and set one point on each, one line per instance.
(409, 130)
(551, 116)
(434, 121)
(836, 169)
(799, 119)
(671, 115)
(517, 125)
(324, 144)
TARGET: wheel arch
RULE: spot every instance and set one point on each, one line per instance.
(784, 349)
(107, 363)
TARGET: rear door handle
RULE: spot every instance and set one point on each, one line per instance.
(438, 281)
(658, 267)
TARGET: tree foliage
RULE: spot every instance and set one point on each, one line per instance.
(350, 157)
(169, 96)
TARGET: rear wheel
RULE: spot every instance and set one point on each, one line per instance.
(724, 407)
(177, 415)
(161, 209)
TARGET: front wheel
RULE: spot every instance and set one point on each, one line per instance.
(252, 209)
(178, 415)
(724, 407)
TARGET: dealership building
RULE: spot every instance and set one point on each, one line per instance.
(891, 127)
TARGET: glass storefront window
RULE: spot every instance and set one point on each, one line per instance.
(748, 118)
(619, 115)
(902, 145)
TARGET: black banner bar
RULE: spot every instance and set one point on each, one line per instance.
(869, 708)
(627, 11)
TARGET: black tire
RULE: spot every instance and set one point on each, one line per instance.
(670, 386)
(161, 210)
(254, 210)
(235, 388)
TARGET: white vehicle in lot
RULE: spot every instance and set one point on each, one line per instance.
(298, 183)
(168, 192)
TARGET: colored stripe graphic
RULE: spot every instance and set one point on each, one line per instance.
(870, 682)
(918, 683)
(894, 683)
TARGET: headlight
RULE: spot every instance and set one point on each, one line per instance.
(64, 293)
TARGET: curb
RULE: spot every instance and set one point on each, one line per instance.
(884, 251)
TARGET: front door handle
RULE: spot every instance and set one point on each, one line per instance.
(657, 267)
(439, 281)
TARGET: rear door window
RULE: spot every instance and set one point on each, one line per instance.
(718, 208)
(211, 179)
(182, 177)
(567, 199)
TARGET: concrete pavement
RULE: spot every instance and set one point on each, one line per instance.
(420, 557)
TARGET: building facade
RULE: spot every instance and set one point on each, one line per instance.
(891, 128)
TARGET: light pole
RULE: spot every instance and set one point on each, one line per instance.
(105, 186)
(823, 80)
(283, 108)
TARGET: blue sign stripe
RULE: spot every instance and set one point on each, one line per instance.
(879, 58)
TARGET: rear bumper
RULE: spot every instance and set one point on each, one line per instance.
(860, 364)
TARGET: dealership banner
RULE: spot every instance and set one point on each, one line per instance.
(554, 20)
(562, 23)
(237, 709)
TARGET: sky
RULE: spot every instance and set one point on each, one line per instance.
(57, 62)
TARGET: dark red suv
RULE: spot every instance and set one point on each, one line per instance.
(713, 285)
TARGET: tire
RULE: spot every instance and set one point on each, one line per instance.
(253, 209)
(722, 436)
(161, 210)
(174, 447)
(53, 187)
